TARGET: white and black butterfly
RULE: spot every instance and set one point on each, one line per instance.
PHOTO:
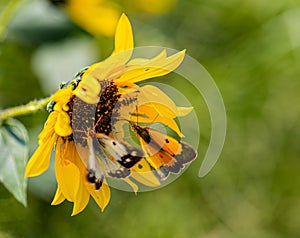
(110, 158)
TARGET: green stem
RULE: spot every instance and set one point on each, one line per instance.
(28, 108)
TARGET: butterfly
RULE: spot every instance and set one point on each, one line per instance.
(164, 153)
(109, 158)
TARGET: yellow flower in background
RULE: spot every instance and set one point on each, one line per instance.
(86, 153)
(151, 6)
(100, 17)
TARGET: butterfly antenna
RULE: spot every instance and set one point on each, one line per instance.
(97, 123)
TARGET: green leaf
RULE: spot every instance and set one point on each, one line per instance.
(13, 156)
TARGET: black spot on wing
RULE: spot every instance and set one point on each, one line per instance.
(129, 160)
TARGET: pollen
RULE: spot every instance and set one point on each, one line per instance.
(109, 96)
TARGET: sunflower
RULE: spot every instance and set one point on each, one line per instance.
(81, 112)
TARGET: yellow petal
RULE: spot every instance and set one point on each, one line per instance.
(124, 38)
(163, 103)
(156, 61)
(101, 196)
(89, 88)
(183, 111)
(48, 127)
(40, 160)
(152, 117)
(62, 96)
(62, 126)
(146, 69)
(152, 97)
(108, 69)
(47, 132)
(58, 198)
(67, 174)
(153, 110)
(58, 107)
(134, 187)
(82, 196)
(151, 101)
(81, 200)
(156, 106)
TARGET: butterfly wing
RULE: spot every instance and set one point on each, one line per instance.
(110, 158)
(186, 155)
(181, 152)
(143, 173)
(165, 154)
(125, 155)
(101, 166)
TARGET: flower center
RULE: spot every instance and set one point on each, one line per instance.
(88, 118)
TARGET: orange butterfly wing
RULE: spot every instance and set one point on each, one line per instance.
(164, 153)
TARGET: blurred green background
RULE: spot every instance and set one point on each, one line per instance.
(251, 49)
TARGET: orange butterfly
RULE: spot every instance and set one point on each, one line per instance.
(164, 153)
